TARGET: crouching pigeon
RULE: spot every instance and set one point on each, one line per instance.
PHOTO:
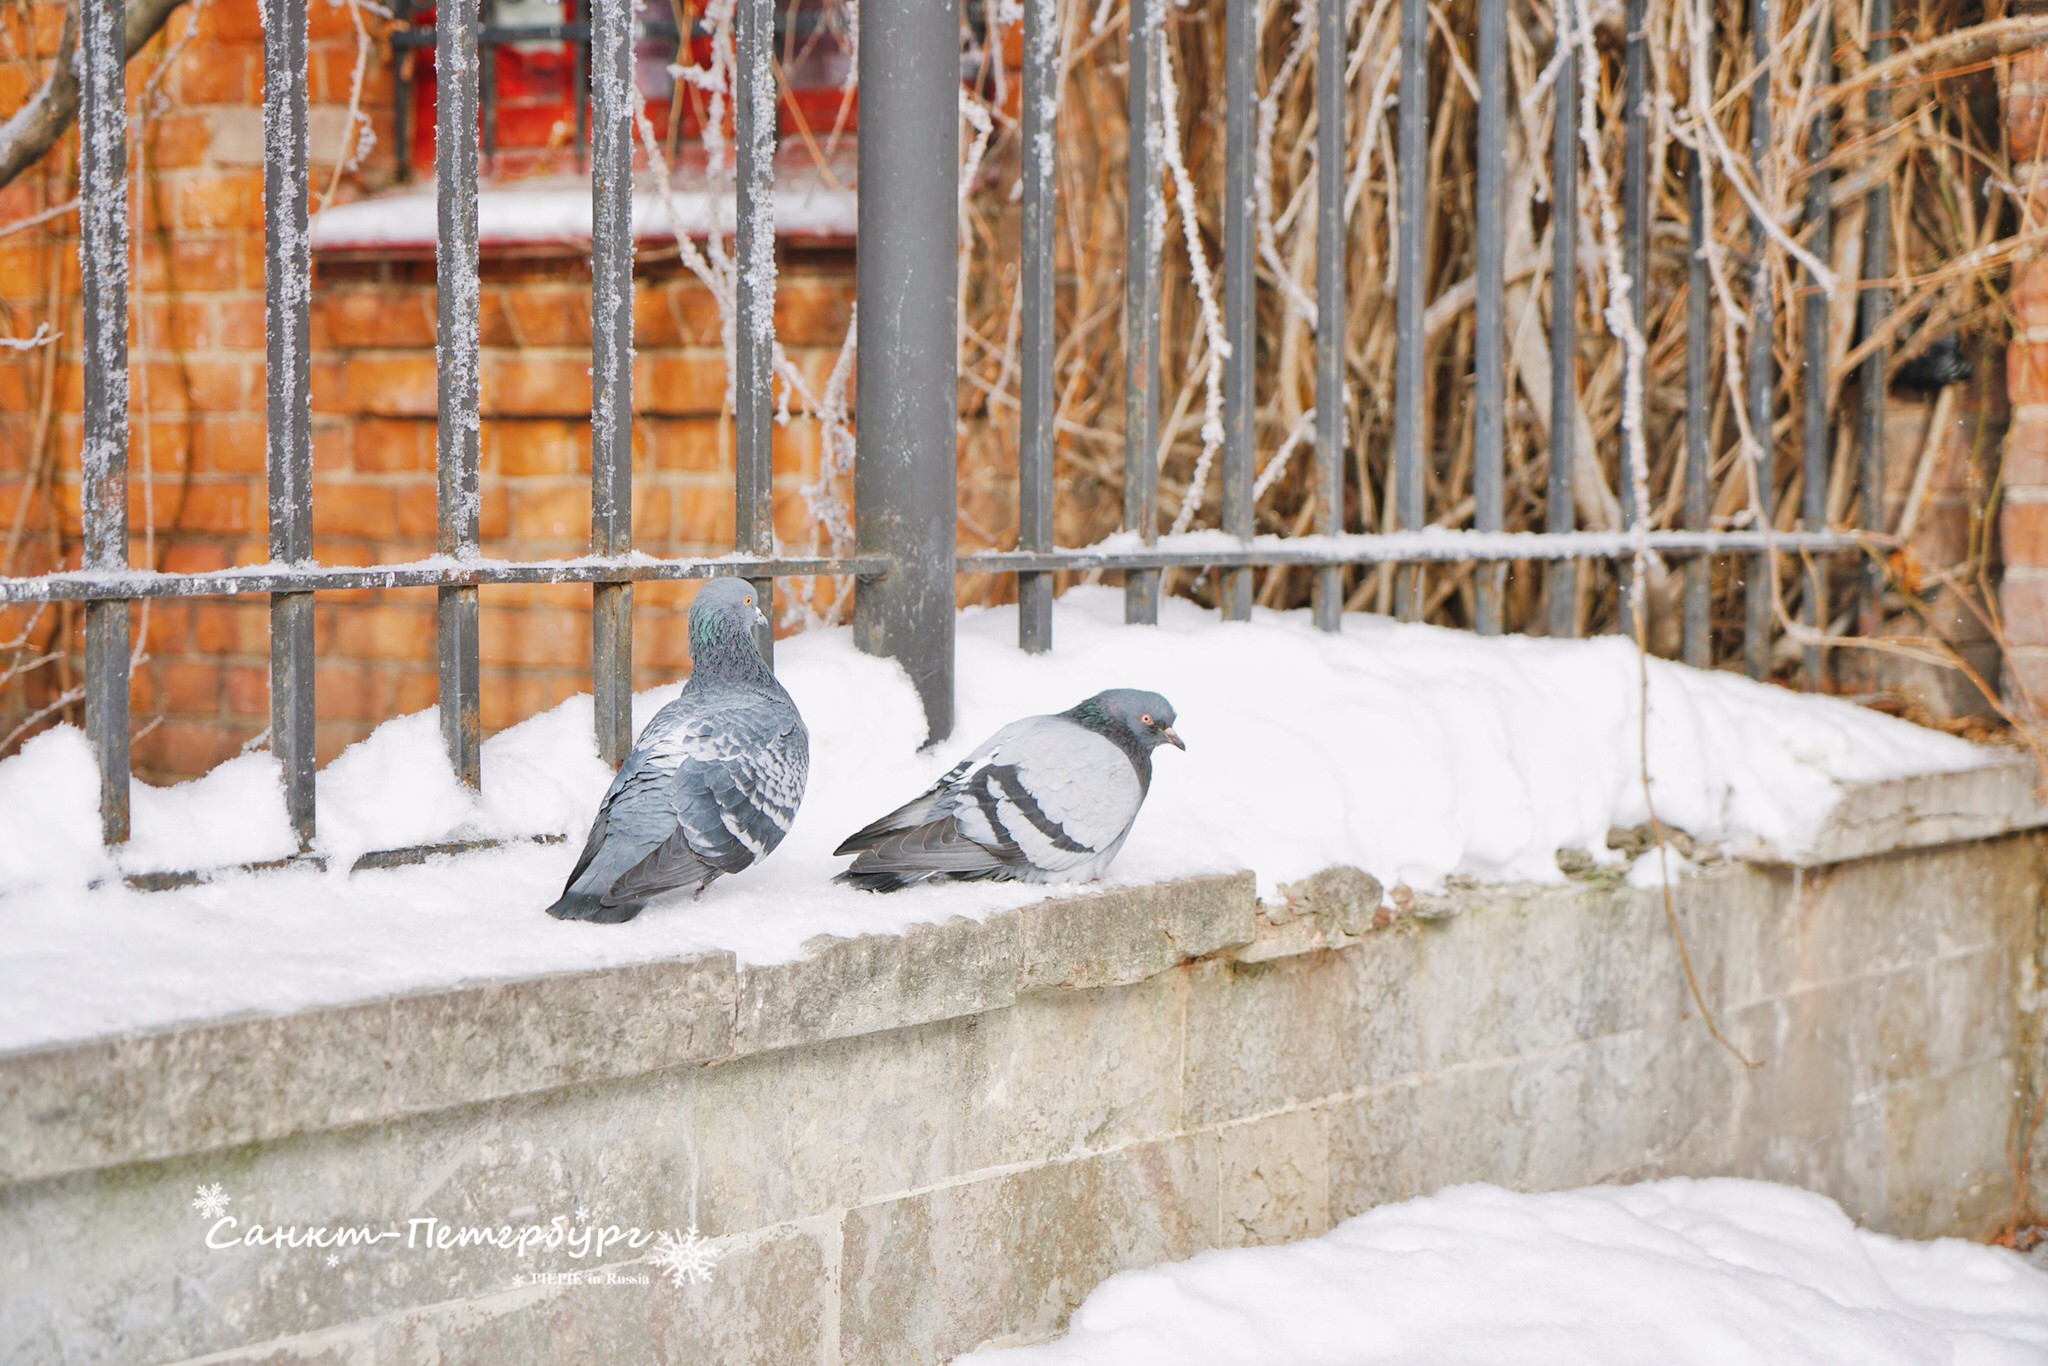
(1047, 799)
(714, 781)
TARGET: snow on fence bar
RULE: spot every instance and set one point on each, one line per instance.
(908, 232)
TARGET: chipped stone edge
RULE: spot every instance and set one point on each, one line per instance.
(204, 1086)
(1920, 812)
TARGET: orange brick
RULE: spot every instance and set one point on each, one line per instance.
(546, 314)
(187, 687)
(246, 689)
(218, 73)
(391, 385)
(392, 445)
(215, 507)
(690, 443)
(205, 263)
(232, 21)
(705, 515)
(531, 638)
(812, 310)
(181, 748)
(351, 508)
(375, 317)
(678, 312)
(214, 626)
(679, 382)
(232, 445)
(522, 385)
(2023, 532)
(220, 199)
(179, 139)
(525, 447)
(555, 512)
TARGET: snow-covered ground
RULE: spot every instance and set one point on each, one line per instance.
(1409, 751)
(1718, 1273)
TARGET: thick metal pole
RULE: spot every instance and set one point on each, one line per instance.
(1760, 379)
(1697, 644)
(1489, 356)
(1410, 157)
(1813, 392)
(1873, 307)
(754, 106)
(1240, 322)
(611, 371)
(457, 359)
(288, 455)
(1331, 53)
(1561, 579)
(1635, 218)
(1144, 239)
(905, 472)
(1035, 422)
(103, 275)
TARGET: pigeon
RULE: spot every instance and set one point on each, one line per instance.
(1046, 799)
(713, 782)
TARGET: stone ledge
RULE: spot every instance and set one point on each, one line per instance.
(216, 1084)
(1922, 812)
(203, 1086)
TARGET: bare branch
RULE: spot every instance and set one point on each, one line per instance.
(36, 126)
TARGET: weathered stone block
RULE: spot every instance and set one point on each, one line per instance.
(1131, 933)
(927, 1276)
(1262, 1036)
(843, 987)
(1273, 1179)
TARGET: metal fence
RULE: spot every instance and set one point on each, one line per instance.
(905, 556)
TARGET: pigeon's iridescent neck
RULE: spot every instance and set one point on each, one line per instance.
(722, 649)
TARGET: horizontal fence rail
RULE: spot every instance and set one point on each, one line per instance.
(905, 560)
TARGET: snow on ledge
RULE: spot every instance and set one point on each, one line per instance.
(555, 211)
(1410, 751)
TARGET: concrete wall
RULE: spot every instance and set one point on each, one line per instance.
(908, 1146)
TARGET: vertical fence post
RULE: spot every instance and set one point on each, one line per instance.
(1409, 224)
(1635, 218)
(754, 106)
(1697, 644)
(1035, 420)
(905, 471)
(1756, 614)
(103, 274)
(457, 358)
(1331, 55)
(288, 443)
(1561, 579)
(1872, 307)
(1813, 392)
(1144, 239)
(1489, 357)
(1240, 320)
(611, 371)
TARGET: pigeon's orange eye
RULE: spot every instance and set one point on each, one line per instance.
(1146, 719)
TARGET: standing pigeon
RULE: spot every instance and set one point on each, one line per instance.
(1047, 799)
(714, 781)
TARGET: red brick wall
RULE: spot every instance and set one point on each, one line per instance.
(198, 433)
(2023, 517)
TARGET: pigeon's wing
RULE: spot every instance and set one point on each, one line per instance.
(932, 804)
(739, 769)
(1056, 791)
(638, 787)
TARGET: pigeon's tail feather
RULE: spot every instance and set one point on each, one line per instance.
(906, 817)
(882, 879)
(938, 850)
(575, 905)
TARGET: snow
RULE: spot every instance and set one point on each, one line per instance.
(558, 210)
(1674, 1272)
(1410, 751)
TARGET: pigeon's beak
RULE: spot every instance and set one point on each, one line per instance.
(1172, 737)
(760, 617)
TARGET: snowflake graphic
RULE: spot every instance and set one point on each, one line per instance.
(333, 1259)
(583, 1214)
(211, 1201)
(685, 1258)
